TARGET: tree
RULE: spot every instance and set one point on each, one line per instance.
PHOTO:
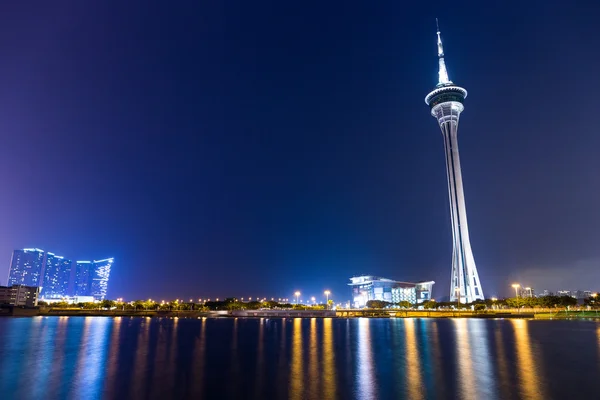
(429, 304)
(108, 304)
(377, 304)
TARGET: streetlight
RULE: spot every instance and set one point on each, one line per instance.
(297, 294)
(313, 300)
(516, 286)
(327, 293)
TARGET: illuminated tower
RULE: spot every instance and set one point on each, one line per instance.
(446, 102)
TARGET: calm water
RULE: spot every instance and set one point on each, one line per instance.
(138, 358)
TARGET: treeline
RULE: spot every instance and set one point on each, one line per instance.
(228, 304)
(512, 302)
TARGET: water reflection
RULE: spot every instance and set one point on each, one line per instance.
(366, 368)
(94, 358)
(296, 367)
(329, 380)
(415, 388)
(465, 364)
(199, 357)
(313, 364)
(501, 365)
(527, 371)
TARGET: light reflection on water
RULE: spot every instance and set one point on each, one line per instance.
(96, 358)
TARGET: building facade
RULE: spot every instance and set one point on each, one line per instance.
(446, 105)
(57, 277)
(91, 278)
(100, 278)
(27, 267)
(19, 295)
(369, 287)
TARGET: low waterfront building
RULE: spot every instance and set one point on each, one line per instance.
(369, 287)
(19, 295)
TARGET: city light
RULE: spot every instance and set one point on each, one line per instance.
(516, 286)
(297, 294)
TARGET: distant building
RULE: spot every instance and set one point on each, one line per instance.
(545, 292)
(564, 293)
(26, 267)
(71, 299)
(369, 287)
(100, 278)
(57, 277)
(91, 278)
(19, 295)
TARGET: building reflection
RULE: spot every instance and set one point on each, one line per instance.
(436, 357)
(527, 369)
(113, 355)
(415, 388)
(328, 377)
(296, 366)
(366, 369)
(466, 376)
(92, 357)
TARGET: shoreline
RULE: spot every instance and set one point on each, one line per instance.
(368, 313)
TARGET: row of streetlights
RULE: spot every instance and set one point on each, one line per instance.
(516, 286)
(326, 293)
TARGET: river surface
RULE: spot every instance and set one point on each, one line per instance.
(143, 358)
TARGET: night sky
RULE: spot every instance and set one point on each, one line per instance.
(237, 148)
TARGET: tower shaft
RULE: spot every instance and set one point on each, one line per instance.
(464, 285)
(446, 102)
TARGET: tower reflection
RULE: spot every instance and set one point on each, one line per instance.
(465, 364)
(296, 367)
(415, 388)
(529, 381)
(366, 369)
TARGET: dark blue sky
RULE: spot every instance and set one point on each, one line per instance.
(255, 148)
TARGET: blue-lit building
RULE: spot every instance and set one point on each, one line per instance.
(57, 277)
(26, 267)
(82, 283)
(100, 278)
(91, 278)
(369, 287)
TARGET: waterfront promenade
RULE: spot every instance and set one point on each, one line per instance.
(539, 313)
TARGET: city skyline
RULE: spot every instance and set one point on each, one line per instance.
(57, 276)
(290, 148)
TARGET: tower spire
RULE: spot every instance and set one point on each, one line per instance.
(443, 73)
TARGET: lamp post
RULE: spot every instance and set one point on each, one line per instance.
(327, 293)
(297, 294)
(517, 286)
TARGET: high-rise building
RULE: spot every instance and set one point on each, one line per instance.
(446, 104)
(57, 277)
(100, 278)
(84, 274)
(26, 267)
(91, 278)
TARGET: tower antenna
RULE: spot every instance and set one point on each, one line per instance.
(437, 25)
